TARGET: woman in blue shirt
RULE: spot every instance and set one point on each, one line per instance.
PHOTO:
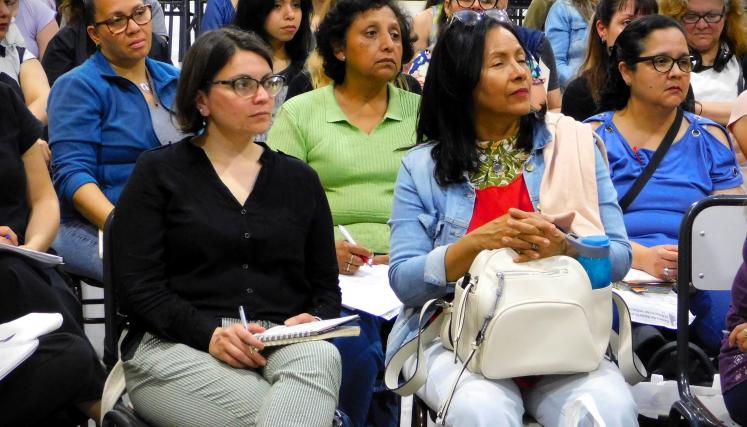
(218, 14)
(641, 101)
(476, 131)
(103, 114)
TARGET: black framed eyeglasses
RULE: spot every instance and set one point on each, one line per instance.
(118, 24)
(665, 63)
(246, 87)
(485, 4)
(710, 17)
(470, 17)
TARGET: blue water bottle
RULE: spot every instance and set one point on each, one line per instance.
(594, 256)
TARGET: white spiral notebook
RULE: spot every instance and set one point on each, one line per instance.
(324, 329)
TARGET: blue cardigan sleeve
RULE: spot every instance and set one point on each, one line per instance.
(75, 114)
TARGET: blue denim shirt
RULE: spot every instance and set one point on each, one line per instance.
(427, 218)
(567, 31)
(99, 123)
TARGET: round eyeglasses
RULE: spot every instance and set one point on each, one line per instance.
(484, 4)
(710, 17)
(665, 63)
(246, 86)
(118, 24)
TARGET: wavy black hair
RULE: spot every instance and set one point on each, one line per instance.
(207, 56)
(252, 14)
(628, 47)
(332, 32)
(447, 107)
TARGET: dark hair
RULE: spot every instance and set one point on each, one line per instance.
(447, 107)
(332, 32)
(252, 14)
(628, 47)
(597, 61)
(89, 9)
(73, 10)
(207, 56)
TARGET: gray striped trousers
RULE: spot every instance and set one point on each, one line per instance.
(176, 385)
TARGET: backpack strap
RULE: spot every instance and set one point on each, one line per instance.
(661, 151)
(621, 345)
(429, 328)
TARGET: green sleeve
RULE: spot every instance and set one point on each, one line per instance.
(537, 14)
(286, 136)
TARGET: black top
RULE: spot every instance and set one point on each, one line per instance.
(19, 130)
(71, 46)
(187, 253)
(577, 100)
(544, 51)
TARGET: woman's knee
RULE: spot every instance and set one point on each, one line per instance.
(481, 409)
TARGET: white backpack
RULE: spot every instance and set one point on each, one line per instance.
(511, 320)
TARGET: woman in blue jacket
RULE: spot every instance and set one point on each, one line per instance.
(103, 114)
(472, 183)
(567, 26)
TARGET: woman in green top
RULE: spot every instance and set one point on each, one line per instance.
(351, 133)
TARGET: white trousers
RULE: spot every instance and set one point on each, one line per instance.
(600, 398)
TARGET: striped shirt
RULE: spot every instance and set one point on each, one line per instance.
(357, 170)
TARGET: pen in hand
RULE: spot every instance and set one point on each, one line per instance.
(349, 237)
(242, 316)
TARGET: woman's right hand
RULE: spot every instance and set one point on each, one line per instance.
(509, 231)
(7, 236)
(237, 346)
(349, 256)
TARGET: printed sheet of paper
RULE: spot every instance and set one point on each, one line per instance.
(652, 308)
(368, 290)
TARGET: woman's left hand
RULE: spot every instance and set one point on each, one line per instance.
(300, 318)
(738, 337)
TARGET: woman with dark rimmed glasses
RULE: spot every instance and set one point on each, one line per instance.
(649, 77)
(216, 225)
(473, 182)
(716, 32)
(102, 115)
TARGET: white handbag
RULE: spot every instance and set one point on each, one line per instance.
(512, 320)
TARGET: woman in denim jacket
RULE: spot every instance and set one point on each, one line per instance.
(567, 26)
(455, 196)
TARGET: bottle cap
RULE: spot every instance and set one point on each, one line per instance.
(596, 240)
(590, 246)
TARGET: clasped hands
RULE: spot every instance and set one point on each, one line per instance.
(239, 348)
(530, 234)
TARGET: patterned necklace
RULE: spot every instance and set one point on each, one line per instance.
(501, 162)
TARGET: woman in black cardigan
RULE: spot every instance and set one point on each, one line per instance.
(214, 223)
